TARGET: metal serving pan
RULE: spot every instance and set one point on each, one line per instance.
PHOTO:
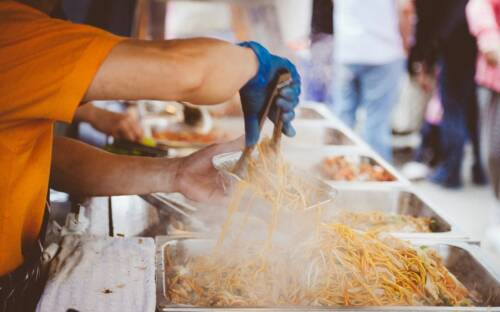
(317, 134)
(310, 159)
(306, 110)
(468, 263)
(393, 200)
(309, 132)
(352, 198)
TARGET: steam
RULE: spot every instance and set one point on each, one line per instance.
(268, 249)
(262, 230)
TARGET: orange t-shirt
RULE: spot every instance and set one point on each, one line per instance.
(46, 66)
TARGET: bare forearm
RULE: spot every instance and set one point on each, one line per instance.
(80, 169)
(85, 113)
(200, 71)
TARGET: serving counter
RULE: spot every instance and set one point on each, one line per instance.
(175, 221)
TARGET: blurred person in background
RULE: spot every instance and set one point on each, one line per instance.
(443, 40)
(369, 59)
(318, 78)
(484, 22)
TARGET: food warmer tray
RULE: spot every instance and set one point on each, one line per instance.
(357, 197)
(310, 159)
(467, 262)
(310, 133)
(354, 198)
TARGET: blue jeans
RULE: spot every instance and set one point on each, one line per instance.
(375, 87)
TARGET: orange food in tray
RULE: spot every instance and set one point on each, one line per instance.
(340, 168)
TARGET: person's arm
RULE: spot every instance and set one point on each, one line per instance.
(406, 14)
(200, 71)
(118, 125)
(483, 25)
(81, 169)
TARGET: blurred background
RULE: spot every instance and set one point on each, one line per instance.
(418, 80)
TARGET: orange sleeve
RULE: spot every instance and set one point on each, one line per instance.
(46, 64)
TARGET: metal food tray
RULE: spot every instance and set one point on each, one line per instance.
(467, 262)
(306, 110)
(313, 126)
(308, 132)
(310, 159)
(353, 198)
(394, 200)
(318, 134)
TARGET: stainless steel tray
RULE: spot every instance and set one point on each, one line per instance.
(468, 263)
(353, 198)
(317, 134)
(357, 197)
(310, 159)
(309, 132)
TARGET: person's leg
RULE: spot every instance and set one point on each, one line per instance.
(458, 90)
(379, 91)
(472, 118)
(346, 86)
(422, 152)
(455, 89)
(428, 151)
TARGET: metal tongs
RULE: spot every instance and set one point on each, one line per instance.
(282, 80)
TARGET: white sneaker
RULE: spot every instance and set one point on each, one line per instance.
(415, 171)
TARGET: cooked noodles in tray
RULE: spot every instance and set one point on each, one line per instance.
(340, 267)
(295, 257)
(377, 221)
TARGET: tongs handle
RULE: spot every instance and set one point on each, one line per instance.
(282, 80)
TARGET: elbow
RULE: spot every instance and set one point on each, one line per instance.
(185, 72)
(191, 82)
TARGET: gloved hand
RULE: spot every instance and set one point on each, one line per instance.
(257, 90)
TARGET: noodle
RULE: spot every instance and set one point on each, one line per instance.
(300, 261)
(376, 221)
(344, 267)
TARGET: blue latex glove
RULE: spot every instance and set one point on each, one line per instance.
(255, 93)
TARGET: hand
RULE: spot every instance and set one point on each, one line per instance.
(118, 125)
(425, 81)
(256, 91)
(424, 77)
(197, 179)
(492, 57)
